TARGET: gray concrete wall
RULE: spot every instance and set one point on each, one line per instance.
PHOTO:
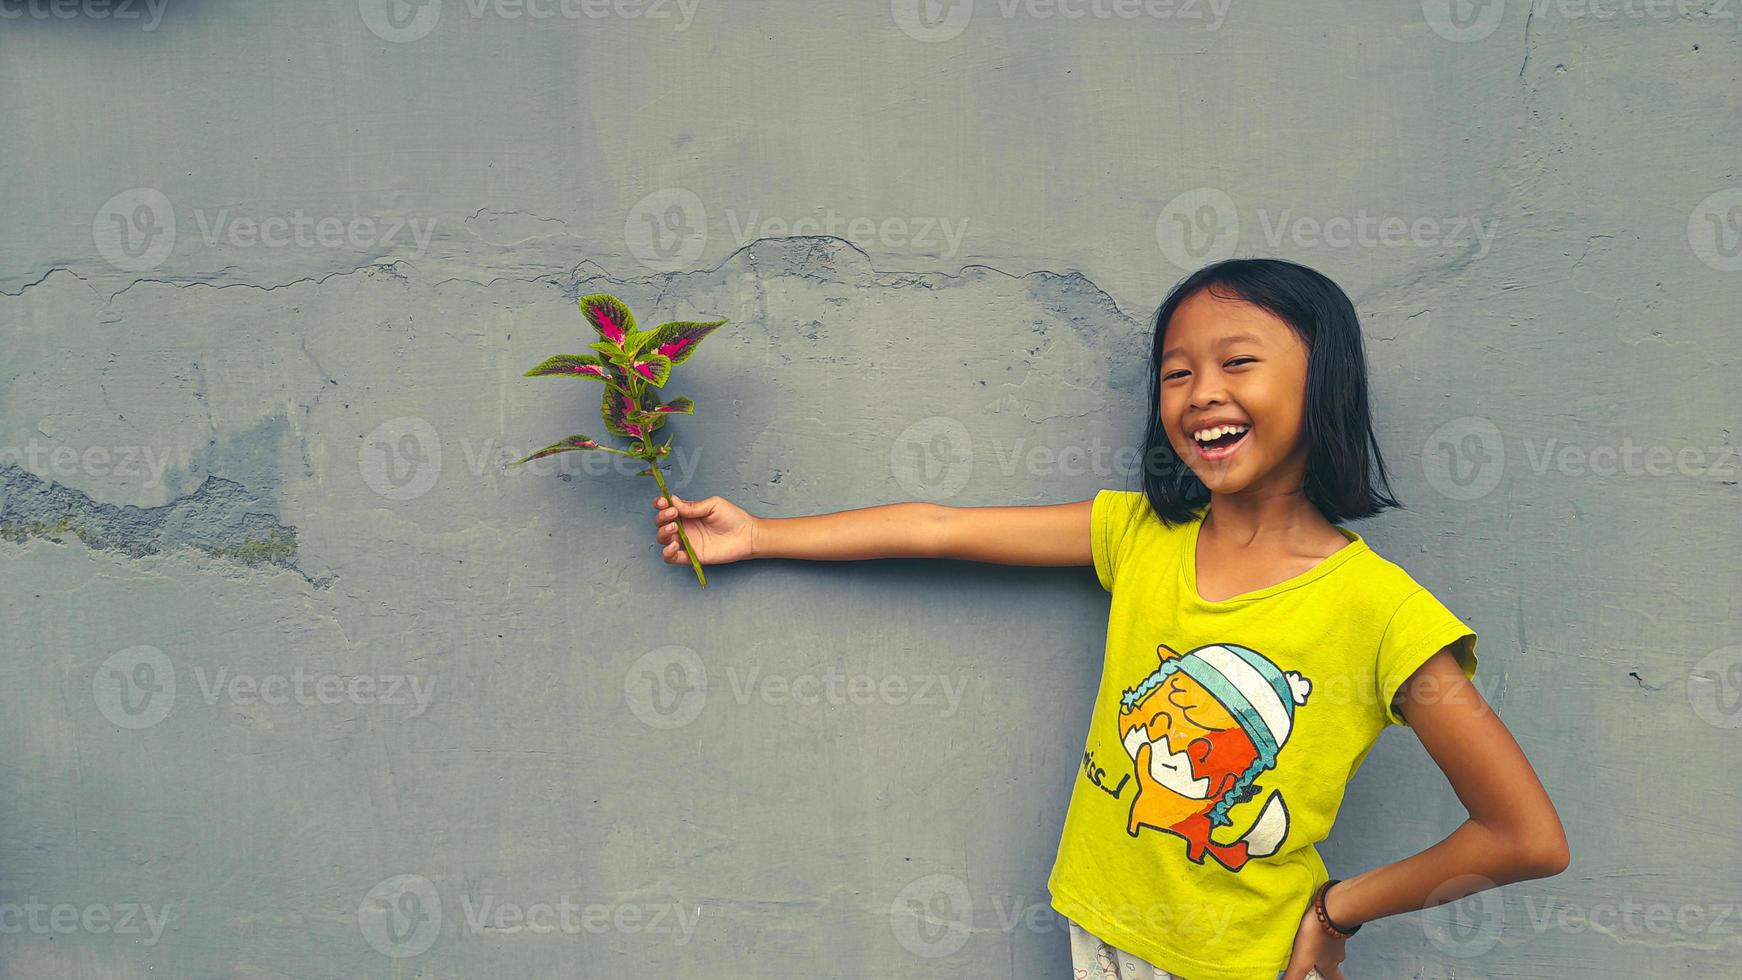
(299, 680)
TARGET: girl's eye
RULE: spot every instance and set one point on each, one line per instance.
(1242, 360)
(1173, 375)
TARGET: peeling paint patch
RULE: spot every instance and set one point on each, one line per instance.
(221, 518)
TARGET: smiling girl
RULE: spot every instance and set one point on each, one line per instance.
(1256, 648)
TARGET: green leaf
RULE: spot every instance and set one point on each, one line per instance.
(677, 406)
(637, 341)
(678, 340)
(609, 316)
(570, 444)
(625, 416)
(610, 351)
(651, 368)
(572, 365)
(646, 472)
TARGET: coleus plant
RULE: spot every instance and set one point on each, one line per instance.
(631, 364)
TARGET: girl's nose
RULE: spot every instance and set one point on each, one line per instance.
(1209, 387)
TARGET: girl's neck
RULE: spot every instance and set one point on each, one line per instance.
(1287, 521)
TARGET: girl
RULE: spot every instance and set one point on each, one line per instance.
(1256, 647)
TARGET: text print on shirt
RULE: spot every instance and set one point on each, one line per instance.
(1200, 730)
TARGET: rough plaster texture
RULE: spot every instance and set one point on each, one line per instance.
(280, 628)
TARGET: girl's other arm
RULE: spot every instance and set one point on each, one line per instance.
(1046, 534)
(1513, 832)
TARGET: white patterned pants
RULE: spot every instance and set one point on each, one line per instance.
(1093, 959)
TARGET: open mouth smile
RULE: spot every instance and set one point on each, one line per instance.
(1220, 442)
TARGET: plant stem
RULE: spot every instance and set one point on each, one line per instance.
(654, 465)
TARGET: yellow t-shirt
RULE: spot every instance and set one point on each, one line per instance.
(1222, 739)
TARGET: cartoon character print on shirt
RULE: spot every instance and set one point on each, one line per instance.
(1200, 730)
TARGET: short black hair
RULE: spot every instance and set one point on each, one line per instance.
(1345, 474)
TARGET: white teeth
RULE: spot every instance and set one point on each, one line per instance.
(1205, 435)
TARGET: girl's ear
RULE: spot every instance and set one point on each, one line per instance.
(1163, 652)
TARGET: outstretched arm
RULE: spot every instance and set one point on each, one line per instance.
(1046, 534)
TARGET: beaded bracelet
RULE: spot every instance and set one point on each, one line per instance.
(1325, 918)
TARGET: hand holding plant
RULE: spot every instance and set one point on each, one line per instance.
(719, 530)
(631, 363)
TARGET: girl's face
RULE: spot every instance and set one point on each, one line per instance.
(1228, 362)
